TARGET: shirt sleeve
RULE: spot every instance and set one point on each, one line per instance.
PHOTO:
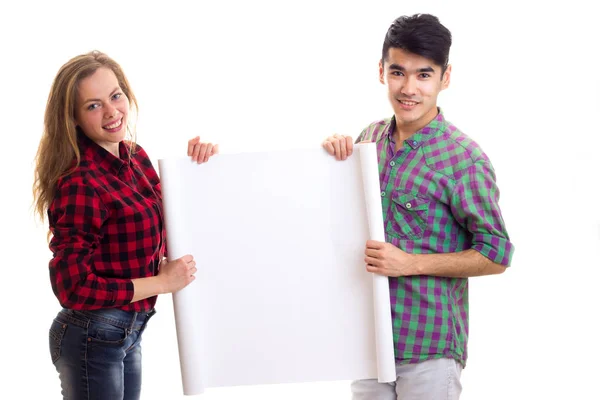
(474, 204)
(76, 218)
(150, 173)
(158, 190)
(360, 137)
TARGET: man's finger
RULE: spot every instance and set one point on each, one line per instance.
(349, 145)
(343, 152)
(374, 244)
(373, 261)
(329, 147)
(336, 148)
(372, 253)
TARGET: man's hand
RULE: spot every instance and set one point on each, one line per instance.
(387, 259)
(339, 146)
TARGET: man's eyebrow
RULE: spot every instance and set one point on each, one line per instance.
(397, 67)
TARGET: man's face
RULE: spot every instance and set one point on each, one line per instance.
(413, 83)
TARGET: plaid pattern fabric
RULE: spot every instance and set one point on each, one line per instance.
(438, 195)
(106, 222)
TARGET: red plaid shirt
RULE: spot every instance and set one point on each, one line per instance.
(107, 226)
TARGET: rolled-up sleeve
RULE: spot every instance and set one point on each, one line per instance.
(76, 218)
(474, 204)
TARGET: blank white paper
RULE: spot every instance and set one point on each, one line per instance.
(281, 294)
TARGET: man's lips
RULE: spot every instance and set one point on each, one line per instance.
(408, 102)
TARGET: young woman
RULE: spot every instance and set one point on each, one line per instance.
(103, 202)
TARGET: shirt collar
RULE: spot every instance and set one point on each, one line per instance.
(90, 150)
(427, 132)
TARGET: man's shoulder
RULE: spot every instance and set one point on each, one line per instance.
(453, 151)
(375, 129)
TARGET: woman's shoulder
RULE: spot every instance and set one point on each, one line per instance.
(137, 151)
(141, 158)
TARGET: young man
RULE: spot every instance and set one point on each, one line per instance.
(441, 215)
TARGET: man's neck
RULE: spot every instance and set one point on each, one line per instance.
(405, 131)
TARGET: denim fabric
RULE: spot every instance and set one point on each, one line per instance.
(437, 379)
(98, 353)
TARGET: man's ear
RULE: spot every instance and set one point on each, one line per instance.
(446, 77)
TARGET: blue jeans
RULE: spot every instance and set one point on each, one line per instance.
(98, 354)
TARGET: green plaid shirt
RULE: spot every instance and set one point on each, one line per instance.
(439, 195)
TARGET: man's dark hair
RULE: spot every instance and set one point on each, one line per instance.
(420, 34)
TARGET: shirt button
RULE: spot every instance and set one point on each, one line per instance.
(414, 142)
(392, 163)
(408, 205)
(382, 194)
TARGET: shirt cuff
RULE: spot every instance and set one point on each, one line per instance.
(122, 294)
(496, 248)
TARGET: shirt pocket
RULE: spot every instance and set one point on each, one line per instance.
(409, 215)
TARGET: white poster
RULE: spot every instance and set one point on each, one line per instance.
(281, 294)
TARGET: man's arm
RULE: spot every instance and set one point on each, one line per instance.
(386, 259)
(456, 265)
(474, 205)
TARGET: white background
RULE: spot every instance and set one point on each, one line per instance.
(271, 75)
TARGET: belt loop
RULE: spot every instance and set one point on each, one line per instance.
(148, 315)
(132, 321)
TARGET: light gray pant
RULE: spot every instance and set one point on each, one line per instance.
(437, 379)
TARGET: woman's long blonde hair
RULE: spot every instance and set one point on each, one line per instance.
(58, 146)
